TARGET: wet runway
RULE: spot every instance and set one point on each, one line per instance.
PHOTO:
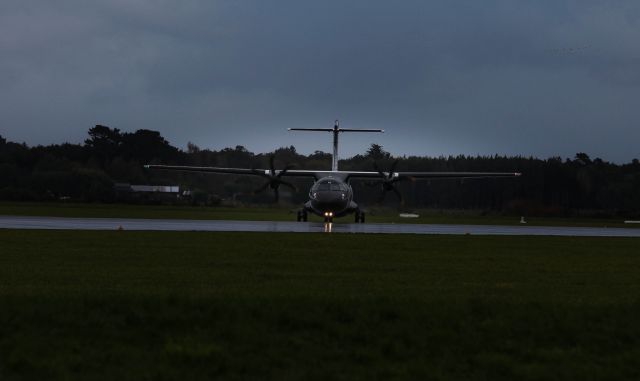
(61, 223)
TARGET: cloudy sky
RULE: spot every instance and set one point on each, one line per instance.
(541, 78)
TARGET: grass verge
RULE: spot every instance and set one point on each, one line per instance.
(146, 305)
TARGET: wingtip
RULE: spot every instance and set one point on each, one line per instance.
(517, 174)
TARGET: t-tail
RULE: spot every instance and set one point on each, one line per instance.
(336, 132)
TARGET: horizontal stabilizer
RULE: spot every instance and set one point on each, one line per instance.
(310, 129)
(359, 130)
(336, 132)
(339, 129)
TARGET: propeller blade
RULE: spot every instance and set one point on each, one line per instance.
(274, 178)
(262, 174)
(388, 181)
(286, 168)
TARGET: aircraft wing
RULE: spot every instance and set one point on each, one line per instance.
(430, 175)
(237, 171)
(343, 174)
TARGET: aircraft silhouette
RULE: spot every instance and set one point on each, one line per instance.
(331, 194)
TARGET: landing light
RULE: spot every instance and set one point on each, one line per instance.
(328, 214)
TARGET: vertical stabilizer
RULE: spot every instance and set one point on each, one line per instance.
(336, 130)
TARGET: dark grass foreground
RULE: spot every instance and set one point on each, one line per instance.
(134, 305)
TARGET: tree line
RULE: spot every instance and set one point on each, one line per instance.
(88, 172)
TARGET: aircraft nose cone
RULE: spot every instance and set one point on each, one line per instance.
(332, 201)
(325, 196)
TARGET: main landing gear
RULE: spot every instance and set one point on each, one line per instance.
(359, 217)
(302, 215)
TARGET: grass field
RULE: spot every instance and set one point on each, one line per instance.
(144, 305)
(284, 213)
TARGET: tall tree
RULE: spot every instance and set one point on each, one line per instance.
(376, 152)
(104, 143)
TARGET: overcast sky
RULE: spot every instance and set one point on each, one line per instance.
(541, 78)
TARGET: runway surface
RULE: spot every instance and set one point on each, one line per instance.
(21, 222)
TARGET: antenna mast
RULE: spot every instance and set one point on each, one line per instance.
(336, 132)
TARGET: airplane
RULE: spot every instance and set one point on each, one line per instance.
(331, 194)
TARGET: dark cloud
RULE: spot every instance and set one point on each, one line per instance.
(541, 78)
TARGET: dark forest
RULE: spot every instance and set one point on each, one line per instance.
(89, 172)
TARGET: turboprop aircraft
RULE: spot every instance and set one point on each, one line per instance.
(331, 194)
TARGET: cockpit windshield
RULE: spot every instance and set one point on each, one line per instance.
(330, 186)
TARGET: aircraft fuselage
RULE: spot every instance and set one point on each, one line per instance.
(331, 197)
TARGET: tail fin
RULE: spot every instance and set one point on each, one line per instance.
(336, 131)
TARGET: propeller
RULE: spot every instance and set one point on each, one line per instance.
(389, 180)
(274, 178)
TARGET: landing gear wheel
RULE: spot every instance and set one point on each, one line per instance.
(359, 217)
(304, 215)
(299, 215)
(362, 217)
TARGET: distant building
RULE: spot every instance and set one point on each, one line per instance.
(147, 193)
(156, 188)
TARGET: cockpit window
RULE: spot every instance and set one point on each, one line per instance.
(330, 186)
